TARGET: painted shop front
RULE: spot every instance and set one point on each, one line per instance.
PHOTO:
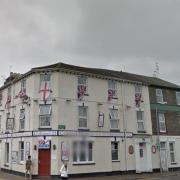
(81, 150)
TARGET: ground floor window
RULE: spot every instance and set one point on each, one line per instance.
(82, 151)
(6, 153)
(21, 151)
(114, 151)
(172, 152)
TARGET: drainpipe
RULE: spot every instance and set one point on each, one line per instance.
(158, 139)
(124, 123)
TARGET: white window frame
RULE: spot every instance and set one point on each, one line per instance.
(159, 96)
(114, 117)
(83, 117)
(23, 84)
(138, 89)
(172, 152)
(162, 122)
(112, 85)
(43, 79)
(7, 153)
(1, 98)
(140, 120)
(48, 115)
(0, 123)
(87, 151)
(21, 119)
(178, 98)
(21, 152)
(113, 144)
(83, 84)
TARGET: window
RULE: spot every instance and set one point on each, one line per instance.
(114, 151)
(21, 151)
(140, 120)
(9, 122)
(6, 153)
(45, 115)
(1, 98)
(159, 95)
(178, 117)
(138, 89)
(22, 119)
(162, 122)
(112, 90)
(178, 98)
(82, 87)
(45, 78)
(82, 151)
(172, 152)
(23, 84)
(0, 123)
(82, 117)
(114, 120)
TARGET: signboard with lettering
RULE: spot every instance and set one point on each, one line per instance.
(43, 143)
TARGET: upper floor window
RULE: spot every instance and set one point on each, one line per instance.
(82, 87)
(21, 151)
(114, 118)
(82, 152)
(162, 122)
(8, 95)
(22, 119)
(83, 116)
(114, 151)
(0, 123)
(112, 90)
(140, 120)
(45, 77)
(178, 98)
(1, 98)
(9, 122)
(138, 95)
(45, 111)
(23, 84)
(159, 95)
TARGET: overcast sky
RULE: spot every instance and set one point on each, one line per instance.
(128, 35)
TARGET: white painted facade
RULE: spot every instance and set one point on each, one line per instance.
(65, 105)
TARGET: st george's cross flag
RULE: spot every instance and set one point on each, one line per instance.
(45, 90)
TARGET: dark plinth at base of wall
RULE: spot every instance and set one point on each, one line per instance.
(82, 175)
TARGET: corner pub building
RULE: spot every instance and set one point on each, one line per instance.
(97, 120)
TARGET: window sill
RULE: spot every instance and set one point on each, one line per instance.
(84, 163)
(114, 130)
(44, 128)
(115, 161)
(174, 163)
(141, 131)
(83, 129)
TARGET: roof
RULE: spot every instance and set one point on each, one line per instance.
(150, 81)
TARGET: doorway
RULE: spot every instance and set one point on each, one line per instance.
(143, 157)
(44, 162)
(163, 156)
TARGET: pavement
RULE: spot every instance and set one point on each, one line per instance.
(151, 176)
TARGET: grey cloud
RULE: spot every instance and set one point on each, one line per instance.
(117, 34)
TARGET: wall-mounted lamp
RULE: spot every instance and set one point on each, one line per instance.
(35, 147)
(54, 147)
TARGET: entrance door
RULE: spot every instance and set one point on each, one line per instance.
(163, 156)
(143, 157)
(44, 162)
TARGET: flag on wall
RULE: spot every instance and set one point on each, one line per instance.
(111, 94)
(138, 97)
(21, 94)
(7, 105)
(81, 91)
(45, 90)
